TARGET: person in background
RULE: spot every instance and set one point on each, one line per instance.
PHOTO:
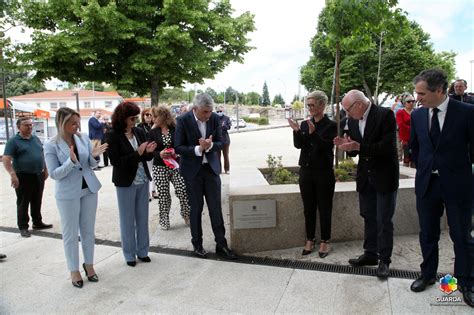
(197, 140)
(146, 124)
(107, 128)
(96, 132)
(403, 118)
(165, 166)
(397, 104)
(183, 109)
(460, 86)
(128, 152)
(317, 182)
(70, 158)
(372, 136)
(226, 124)
(23, 159)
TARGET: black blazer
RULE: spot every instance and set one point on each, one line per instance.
(187, 137)
(124, 158)
(316, 148)
(156, 135)
(378, 157)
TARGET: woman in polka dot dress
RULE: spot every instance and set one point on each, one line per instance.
(163, 134)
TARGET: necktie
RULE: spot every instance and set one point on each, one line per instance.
(435, 130)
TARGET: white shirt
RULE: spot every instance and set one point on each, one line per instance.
(363, 121)
(443, 108)
(202, 129)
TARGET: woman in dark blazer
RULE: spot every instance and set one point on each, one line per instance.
(164, 170)
(315, 139)
(128, 152)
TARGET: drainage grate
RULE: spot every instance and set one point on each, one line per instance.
(255, 260)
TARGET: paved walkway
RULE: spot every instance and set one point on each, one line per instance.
(34, 279)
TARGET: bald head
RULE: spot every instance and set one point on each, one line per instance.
(355, 104)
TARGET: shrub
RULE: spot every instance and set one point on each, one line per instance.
(259, 121)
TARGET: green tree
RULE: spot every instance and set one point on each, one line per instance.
(97, 86)
(253, 98)
(278, 100)
(230, 95)
(265, 95)
(405, 52)
(297, 105)
(212, 93)
(140, 46)
(21, 84)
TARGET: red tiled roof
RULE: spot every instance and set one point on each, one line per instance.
(66, 94)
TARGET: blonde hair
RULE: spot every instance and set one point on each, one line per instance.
(63, 115)
(164, 113)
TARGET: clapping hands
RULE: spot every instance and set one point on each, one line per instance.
(205, 144)
(346, 144)
(97, 151)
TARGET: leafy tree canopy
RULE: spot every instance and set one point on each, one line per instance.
(406, 50)
(278, 100)
(21, 84)
(139, 46)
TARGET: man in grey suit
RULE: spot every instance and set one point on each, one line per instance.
(198, 138)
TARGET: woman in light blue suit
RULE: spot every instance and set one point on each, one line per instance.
(69, 157)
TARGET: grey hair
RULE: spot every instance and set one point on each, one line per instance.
(404, 96)
(203, 100)
(318, 96)
(434, 78)
(63, 115)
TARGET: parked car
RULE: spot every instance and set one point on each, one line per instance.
(242, 123)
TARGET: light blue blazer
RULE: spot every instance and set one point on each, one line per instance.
(67, 174)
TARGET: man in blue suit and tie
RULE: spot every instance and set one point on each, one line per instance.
(442, 132)
(198, 138)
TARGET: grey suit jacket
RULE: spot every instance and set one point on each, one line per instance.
(68, 175)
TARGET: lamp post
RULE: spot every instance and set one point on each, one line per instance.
(77, 101)
(5, 105)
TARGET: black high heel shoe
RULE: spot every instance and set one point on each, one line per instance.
(93, 278)
(324, 254)
(307, 252)
(78, 284)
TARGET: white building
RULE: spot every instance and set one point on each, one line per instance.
(89, 102)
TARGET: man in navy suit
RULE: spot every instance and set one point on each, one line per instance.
(371, 134)
(442, 132)
(198, 138)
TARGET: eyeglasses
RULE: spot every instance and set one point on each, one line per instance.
(218, 111)
(147, 114)
(410, 101)
(348, 110)
(311, 105)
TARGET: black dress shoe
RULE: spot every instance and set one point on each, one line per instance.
(383, 270)
(78, 284)
(363, 260)
(42, 226)
(145, 259)
(225, 252)
(132, 263)
(420, 284)
(25, 233)
(93, 278)
(467, 295)
(200, 252)
(3, 256)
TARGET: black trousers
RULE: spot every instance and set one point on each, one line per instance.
(206, 184)
(430, 209)
(29, 194)
(225, 153)
(377, 209)
(317, 191)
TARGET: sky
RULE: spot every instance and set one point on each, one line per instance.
(284, 30)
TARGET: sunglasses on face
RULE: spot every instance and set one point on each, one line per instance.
(147, 114)
(219, 111)
(410, 101)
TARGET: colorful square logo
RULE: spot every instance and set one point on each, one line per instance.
(448, 284)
